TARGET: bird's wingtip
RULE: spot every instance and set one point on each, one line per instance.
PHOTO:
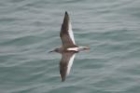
(63, 79)
(66, 13)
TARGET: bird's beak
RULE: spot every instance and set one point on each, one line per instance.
(87, 48)
(51, 51)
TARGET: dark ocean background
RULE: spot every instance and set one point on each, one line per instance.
(30, 28)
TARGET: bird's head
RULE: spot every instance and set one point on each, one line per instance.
(84, 48)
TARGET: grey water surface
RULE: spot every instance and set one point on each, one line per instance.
(30, 28)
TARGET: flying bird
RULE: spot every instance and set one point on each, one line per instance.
(69, 48)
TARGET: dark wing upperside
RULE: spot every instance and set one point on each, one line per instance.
(66, 33)
(65, 64)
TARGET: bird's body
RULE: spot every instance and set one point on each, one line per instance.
(69, 48)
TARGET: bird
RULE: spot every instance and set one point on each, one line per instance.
(69, 48)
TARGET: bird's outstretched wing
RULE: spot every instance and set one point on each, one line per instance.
(66, 33)
(66, 64)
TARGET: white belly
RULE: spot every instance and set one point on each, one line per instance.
(73, 49)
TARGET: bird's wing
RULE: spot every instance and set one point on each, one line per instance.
(66, 64)
(66, 33)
